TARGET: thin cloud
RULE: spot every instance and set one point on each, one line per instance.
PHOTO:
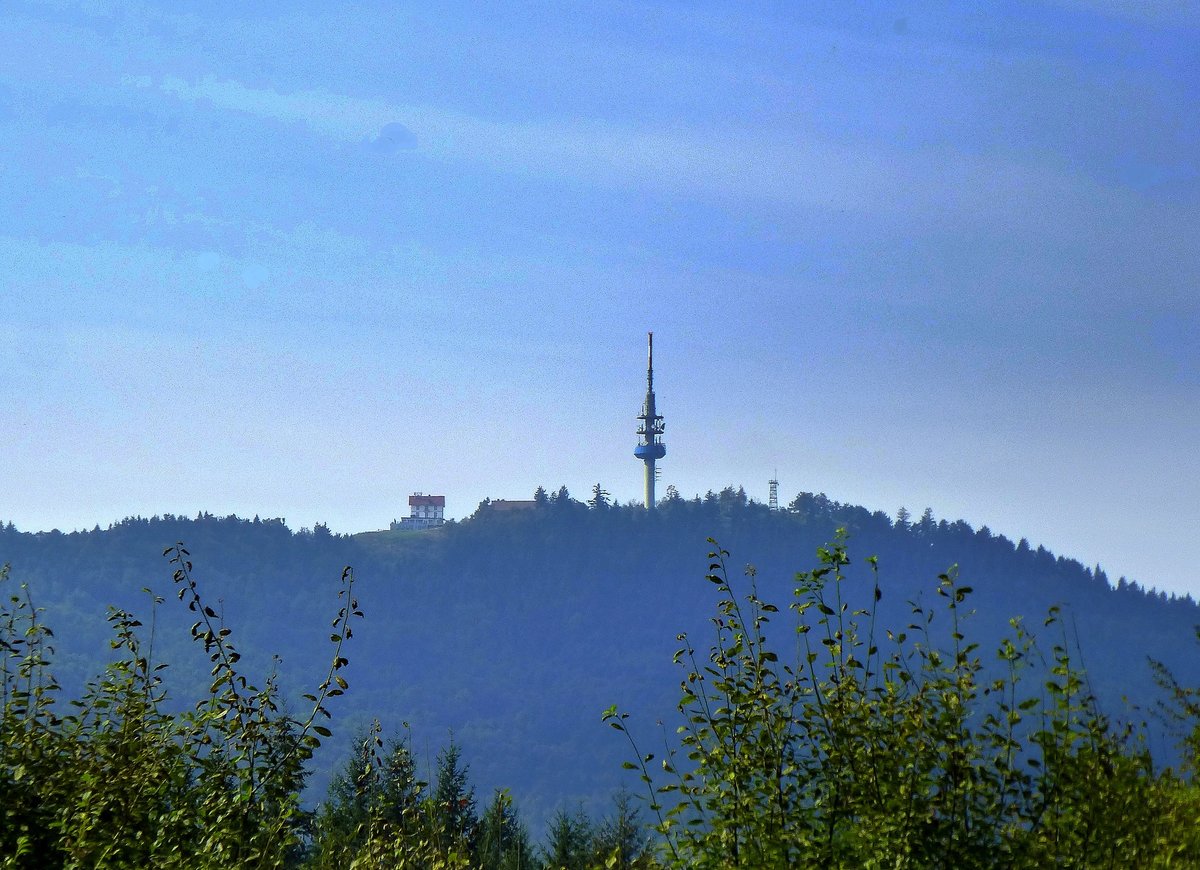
(945, 187)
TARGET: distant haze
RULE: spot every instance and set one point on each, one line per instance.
(295, 262)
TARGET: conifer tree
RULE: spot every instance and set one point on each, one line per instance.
(454, 800)
(503, 842)
(599, 497)
(621, 841)
(569, 841)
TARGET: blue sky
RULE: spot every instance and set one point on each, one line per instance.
(303, 259)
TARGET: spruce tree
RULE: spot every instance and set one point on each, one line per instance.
(454, 800)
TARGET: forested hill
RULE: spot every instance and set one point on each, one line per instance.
(515, 629)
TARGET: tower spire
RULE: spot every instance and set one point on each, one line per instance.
(650, 362)
(650, 447)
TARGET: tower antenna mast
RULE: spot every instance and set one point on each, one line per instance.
(650, 447)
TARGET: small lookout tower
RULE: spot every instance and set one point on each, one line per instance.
(650, 447)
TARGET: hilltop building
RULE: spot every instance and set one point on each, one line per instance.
(424, 512)
(508, 505)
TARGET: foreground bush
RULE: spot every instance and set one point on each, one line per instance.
(114, 780)
(841, 748)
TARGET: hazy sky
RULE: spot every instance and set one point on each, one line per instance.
(303, 259)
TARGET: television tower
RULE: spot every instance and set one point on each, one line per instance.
(650, 448)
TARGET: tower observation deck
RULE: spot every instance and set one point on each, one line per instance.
(650, 447)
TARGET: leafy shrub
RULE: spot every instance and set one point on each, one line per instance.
(845, 748)
(113, 779)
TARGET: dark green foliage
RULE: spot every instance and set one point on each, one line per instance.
(454, 800)
(114, 779)
(376, 792)
(849, 746)
(503, 842)
(621, 840)
(569, 841)
(379, 815)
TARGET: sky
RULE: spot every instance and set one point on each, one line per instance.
(301, 260)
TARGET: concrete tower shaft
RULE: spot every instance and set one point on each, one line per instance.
(650, 447)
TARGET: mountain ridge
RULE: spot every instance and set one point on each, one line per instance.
(515, 630)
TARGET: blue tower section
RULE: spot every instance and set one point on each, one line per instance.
(650, 447)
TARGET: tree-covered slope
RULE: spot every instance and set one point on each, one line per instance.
(516, 629)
